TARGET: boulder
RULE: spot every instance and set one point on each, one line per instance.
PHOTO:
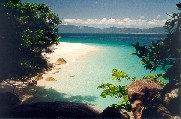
(146, 99)
(60, 61)
(54, 110)
(50, 79)
(144, 88)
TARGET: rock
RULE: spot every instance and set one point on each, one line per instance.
(146, 99)
(172, 101)
(55, 110)
(60, 61)
(145, 87)
(171, 95)
(156, 112)
(111, 112)
(50, 79)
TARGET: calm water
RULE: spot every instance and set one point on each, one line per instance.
(78, 81)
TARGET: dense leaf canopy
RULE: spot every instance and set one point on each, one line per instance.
(27, 31)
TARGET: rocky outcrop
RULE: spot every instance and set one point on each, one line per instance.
(146, 100)
(145, 88)
(60, 61)
(54, 110)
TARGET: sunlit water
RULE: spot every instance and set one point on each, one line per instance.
(78, 81)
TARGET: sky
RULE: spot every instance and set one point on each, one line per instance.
(109, 13)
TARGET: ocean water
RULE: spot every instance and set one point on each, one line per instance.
(79, 80)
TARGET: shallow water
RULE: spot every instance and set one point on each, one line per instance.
(78, 81)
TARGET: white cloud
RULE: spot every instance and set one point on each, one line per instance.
(142, 17)
(158, 16)
(141, 22)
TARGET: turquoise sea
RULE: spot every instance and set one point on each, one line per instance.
(81, 79)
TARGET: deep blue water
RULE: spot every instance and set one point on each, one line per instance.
(111, 39)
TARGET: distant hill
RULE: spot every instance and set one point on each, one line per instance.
(112, 30)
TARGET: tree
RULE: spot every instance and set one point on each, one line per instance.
(27, 31)
(164, 53)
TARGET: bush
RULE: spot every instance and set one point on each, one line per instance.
(27, 31)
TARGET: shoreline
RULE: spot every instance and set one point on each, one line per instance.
(70, 52)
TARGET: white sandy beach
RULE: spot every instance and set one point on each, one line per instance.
(68, 51)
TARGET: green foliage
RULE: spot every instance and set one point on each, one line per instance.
(117, 75)
(166, 52)
(158, 78)
(120, 90)
(27, 31)
(117, 91)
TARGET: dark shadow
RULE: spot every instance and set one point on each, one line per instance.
(152, 102)
(40, 94)
(46, 103)
(148, 96)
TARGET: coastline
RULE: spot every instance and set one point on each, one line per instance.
(70, 52)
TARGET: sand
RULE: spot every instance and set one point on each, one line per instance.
(70, 52)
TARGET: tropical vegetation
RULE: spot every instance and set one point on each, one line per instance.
(27, 32)
(164, 53)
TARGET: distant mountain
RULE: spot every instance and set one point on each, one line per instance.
(112, 30)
